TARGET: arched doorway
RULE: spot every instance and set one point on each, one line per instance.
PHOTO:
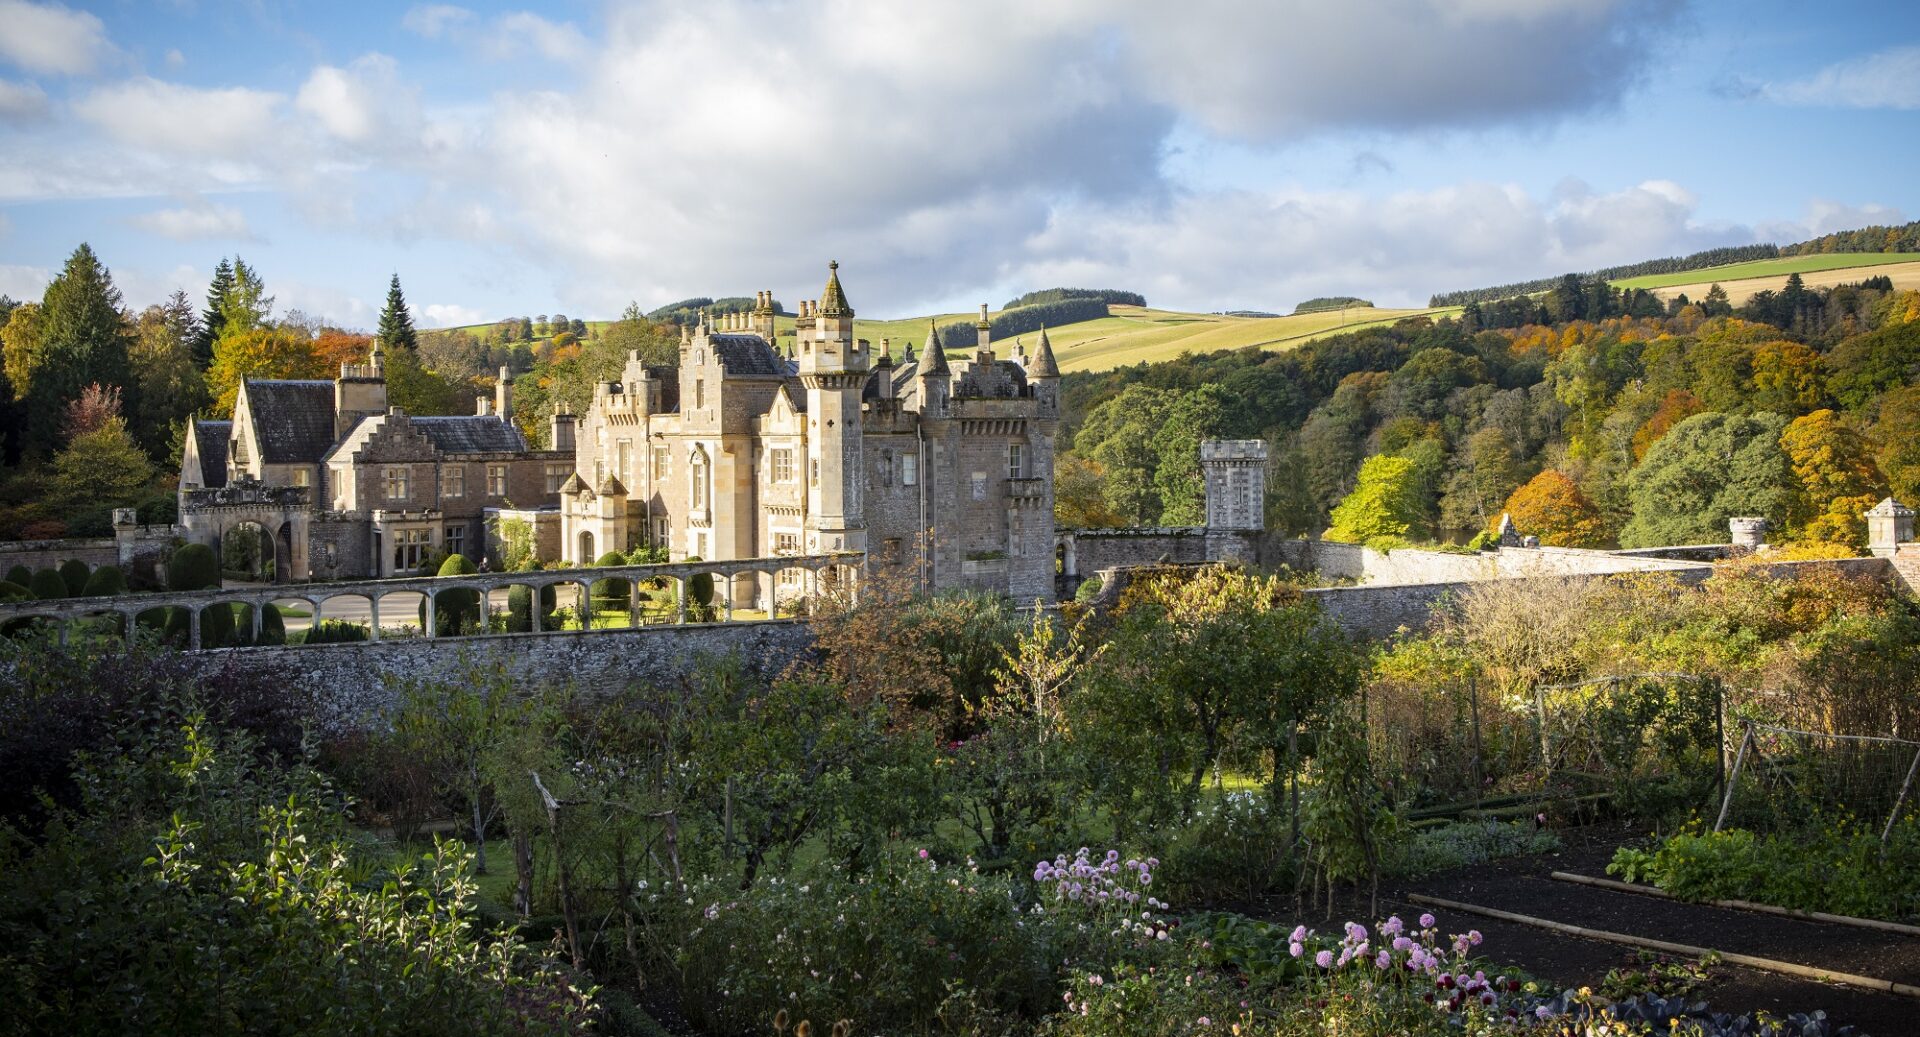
(248, 553)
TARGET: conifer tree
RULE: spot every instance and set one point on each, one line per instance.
(396, 324)
(214, 320)
(84, 340)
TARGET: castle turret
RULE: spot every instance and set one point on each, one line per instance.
(935, 380)
(833, 368)
(1043, 373)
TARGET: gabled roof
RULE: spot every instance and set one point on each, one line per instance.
(471, 434)
(748, 356)
(210, 443)
(292, 419)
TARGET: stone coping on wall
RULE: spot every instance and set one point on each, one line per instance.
(133, 604)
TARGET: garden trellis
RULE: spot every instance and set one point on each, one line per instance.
(1636, 734)
(1784, 779)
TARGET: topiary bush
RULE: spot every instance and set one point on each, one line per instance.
(333, 632)
(20, 576)
(11, 591)
(48, 585)
(217, 628)
(273, 628)
(75, 572)
(700, 598)
(1088, 590)
(614, 593)
(520, 612)
(457, 611)
(106, 582)
(193, 567)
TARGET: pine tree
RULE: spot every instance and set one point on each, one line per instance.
(396, 325)
(246, 305)
(84, 340)
(214, 320)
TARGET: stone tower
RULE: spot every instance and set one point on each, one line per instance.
(359, 392)
(833, 369)
(1235, 471)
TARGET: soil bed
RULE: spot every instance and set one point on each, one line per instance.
(1523, 885)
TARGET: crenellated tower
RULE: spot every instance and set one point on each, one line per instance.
(833, 367)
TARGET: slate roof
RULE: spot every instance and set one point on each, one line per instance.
(210, 441)
(293, 419)
(471, 434)
(747, 355)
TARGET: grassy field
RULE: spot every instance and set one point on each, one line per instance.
(1137, 334)
(1772, 268)
(1905, 275)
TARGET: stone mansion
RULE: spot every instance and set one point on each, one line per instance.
(748, 448)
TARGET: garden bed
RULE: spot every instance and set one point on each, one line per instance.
(1524, 885)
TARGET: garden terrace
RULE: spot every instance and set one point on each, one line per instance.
(731, 580)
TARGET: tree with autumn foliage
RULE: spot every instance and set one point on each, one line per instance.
(1385, 502)
(1552, 508)
(259, 353)
(1838, 479)
(1677, 406)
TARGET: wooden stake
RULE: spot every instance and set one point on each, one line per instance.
(1742, 905)
(1765, 964)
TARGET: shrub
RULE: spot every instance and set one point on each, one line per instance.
(1088, 590)
(520, 611)
(75, 572)
(700, 598)
(1233, 849)
(334, 631)
(455, 611)
(1463, 843)
(192, 567)
(47, 585)
(11, 591)
(20, 575)
(273, 629)
(217, 629)
(612, 594)
(106, 582)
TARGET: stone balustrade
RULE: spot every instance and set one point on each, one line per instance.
(316, 595)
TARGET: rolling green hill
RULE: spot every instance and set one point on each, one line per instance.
(1771, 268)
(1136, 334)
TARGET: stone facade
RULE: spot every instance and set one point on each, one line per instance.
(746, 450)
(380, 492)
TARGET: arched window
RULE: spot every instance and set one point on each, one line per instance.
(702, 484)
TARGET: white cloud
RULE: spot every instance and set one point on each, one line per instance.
(1888, 79)
(21, 102)
(175, 59)
(51, 38)
(1825, 216)
(514, 35)
(195, 222)
(24, 282)
(435, 20)
(360, 103)
(1269, 250)
(148, 113)
(450, 315)
(1266, 71)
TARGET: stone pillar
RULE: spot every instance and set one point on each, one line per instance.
(126, 523)
(1889, 524)
(1749, 532)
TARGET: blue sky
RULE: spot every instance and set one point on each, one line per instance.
(510, 160)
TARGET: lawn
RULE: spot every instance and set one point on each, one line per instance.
(1771, 268)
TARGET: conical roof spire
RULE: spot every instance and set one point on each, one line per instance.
(936, 359)
(833, 301)
(1043, 364)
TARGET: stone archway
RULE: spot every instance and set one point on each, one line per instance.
(247, 552)
(206, 516)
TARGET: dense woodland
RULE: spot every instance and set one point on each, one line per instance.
(1594, 416)
(95, 397)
